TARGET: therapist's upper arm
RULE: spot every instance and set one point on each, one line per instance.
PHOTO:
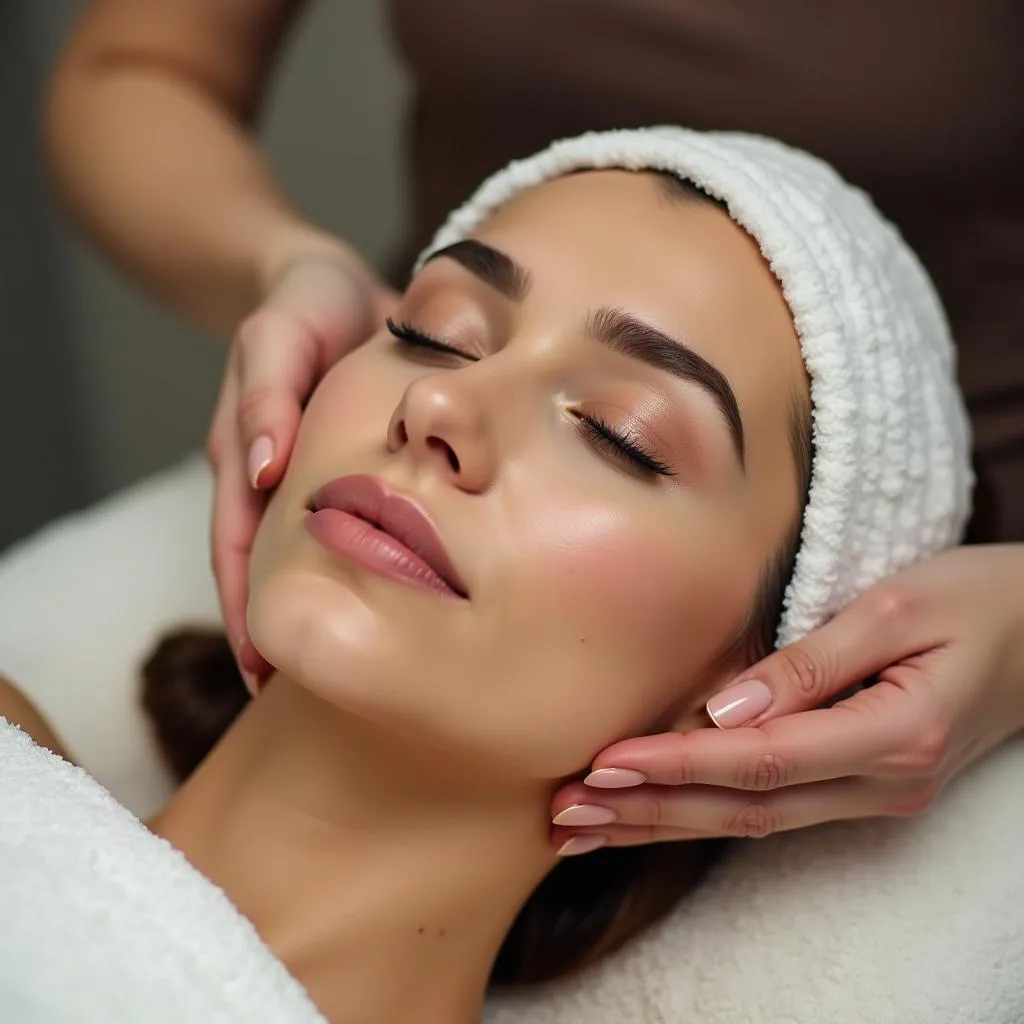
(227, 47)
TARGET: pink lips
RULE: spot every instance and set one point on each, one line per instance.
(388, 533)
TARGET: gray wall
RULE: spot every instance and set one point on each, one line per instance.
(98, 386)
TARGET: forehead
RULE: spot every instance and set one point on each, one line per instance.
(620, 238)
(650, 251)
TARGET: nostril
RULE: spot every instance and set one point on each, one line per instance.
(449, 452)
(401, 434)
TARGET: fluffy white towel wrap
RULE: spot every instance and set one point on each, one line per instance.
(104, 923)
(891, 478)
(870, 923)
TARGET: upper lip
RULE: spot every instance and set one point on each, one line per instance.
(396, 514)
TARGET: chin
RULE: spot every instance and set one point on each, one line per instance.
(322, 636)
(320, 633)
(316, 631)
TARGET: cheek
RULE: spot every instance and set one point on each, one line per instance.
(352, 406)
(343, 429)
(626, 616)
(608, 573)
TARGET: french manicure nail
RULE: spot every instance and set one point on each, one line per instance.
(739, 704)
(251, 683)
(585, 814)
(581, 844)
(261, 454)
(615, 778)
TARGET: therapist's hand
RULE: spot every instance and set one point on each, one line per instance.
(945, 641)
(314, 312)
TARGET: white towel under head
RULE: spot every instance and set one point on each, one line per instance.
(891, 475)
(874, 922)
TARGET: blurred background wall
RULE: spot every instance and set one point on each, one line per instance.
(97, 385)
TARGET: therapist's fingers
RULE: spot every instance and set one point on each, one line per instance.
(320, 309)
(278, 363)
(656, 814)
(236, 514)
(881, 627)
(568, 842)
(860, 736)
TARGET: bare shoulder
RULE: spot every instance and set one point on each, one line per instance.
(17, 708)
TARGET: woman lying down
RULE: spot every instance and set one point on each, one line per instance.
(652, 401)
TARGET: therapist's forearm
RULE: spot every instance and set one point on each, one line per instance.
(159, 168)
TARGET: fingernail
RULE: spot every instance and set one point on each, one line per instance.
(251, 683)
(581, 844)
(261, 454)
(585, 814)
(248, 676)
(615, 778)
(739, 704)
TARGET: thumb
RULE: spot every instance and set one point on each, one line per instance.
(277, 365)
(868, 635)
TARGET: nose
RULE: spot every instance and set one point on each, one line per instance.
(443, 425)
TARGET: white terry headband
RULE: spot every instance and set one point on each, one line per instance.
(891, 477)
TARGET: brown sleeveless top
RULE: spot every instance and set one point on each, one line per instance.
(920, 102)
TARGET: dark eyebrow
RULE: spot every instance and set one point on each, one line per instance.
(630, 336)
(501, 272)
(620, 331)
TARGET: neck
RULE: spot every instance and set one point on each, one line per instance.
(383, 875)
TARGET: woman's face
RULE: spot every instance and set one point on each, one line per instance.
(606, 458)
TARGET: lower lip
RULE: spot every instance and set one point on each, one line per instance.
(373, 549)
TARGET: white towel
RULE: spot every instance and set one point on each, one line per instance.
(104, 923)
(895, 923)
(874, 922)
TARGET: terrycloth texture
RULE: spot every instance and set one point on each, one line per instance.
(891, 478)
(103, 923)
(895, 923)
(887, 922)
(882, 922)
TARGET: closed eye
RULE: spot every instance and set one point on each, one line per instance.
(625, 446)
(413, 337)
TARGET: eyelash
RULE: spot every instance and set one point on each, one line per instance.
(413, 337)
(626, 446)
